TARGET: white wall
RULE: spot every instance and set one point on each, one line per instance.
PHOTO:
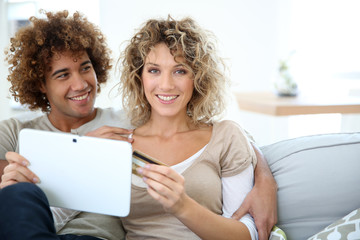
(4, 86)
(10, 10)
(246, 30)
(253, 36)
(247, 33)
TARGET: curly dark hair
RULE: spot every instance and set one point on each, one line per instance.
(185, 39)
(33, 46)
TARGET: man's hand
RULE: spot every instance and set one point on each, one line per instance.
(17, 170)
(3, 164)
(114, 133)
(261, 202)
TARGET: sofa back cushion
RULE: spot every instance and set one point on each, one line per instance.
(318, 181)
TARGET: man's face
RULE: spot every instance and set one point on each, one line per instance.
(70, 87)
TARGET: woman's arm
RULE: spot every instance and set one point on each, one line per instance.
(261, 202)
(167, 187)
(234, 191)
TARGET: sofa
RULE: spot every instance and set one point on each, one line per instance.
(318, 181)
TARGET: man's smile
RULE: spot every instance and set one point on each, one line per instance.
(81, 97)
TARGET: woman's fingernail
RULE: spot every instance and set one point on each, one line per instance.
(36, 180)
(25, 163)
(147, 166)
(139, 170)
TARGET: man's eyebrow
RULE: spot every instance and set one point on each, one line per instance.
(66, 69)
(59, 71)
(85, 62)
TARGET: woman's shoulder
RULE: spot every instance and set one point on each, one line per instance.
(230, 130)
(227, 125)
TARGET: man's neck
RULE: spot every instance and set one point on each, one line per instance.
(67, 123)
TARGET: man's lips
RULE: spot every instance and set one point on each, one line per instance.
(80, 97)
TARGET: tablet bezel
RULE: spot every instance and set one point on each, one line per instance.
(79, 172)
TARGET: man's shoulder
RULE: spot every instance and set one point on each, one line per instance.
(17, 121)
(113, 117)
(28, 116)
(10, 129)
(35, 120)
(111, 112)
(105, 117)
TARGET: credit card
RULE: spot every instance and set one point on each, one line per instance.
(140, 159)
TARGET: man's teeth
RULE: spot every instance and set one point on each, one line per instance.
(80, 97)
(166, 98)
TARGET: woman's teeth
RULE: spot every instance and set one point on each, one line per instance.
(166, 98)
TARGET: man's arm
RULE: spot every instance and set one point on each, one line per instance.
(261, 202)
(3, 164)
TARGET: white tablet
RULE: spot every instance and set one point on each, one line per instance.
(80, 173)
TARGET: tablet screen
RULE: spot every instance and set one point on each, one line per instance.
(79, 172)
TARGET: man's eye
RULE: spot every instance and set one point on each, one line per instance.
(86, 68)
(62, 75)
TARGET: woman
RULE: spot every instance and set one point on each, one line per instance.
(173, 87)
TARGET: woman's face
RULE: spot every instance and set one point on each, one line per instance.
(168, 85)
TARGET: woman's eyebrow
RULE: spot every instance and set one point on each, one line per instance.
(180, 65)
(154, 64)
(157, 65)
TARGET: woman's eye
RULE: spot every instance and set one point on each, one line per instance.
(180, 71)
(153, 71)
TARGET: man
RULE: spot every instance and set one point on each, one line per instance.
(57, 65)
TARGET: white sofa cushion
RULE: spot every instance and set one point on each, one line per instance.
(318, 181)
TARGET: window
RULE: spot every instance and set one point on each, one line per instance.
(325, 35)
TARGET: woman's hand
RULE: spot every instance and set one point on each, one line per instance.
(17, 170)
(166, 186)
(114, 133)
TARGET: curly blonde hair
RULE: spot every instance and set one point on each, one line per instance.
(187, 40)
(33, 46)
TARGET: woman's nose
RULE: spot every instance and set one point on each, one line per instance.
(166, 82)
